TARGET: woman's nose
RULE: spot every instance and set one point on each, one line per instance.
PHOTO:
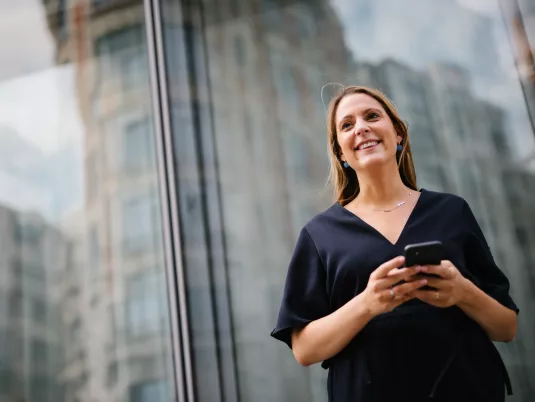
(361, 127)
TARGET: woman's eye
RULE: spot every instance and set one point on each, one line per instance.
(373, 115)
(345, 126)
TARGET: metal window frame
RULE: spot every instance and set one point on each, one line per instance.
(183, 371)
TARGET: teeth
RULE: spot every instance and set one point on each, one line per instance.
(367, 144)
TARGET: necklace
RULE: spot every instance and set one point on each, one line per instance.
(399, 204)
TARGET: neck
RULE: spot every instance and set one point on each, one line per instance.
(381, 188)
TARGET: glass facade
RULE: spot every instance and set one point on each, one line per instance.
(158, 159)
(83, 271)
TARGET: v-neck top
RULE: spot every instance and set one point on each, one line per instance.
(362, 221)
(417, 351)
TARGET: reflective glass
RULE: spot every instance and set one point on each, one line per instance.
(245, 84)
(82, 281)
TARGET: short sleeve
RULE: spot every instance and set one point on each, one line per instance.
(305, 294)
(481, 264)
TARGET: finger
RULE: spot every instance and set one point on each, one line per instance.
(409, 287)
(393, 278)
(390, 296)
(440, 284)
(402, 271)
(387, 295)
(385, 268)
(446, 270)
(399, 300)
(429, 296)
(437, 283)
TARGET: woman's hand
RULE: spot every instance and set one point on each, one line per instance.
(453, 289)
(449, 288)
(386, 287)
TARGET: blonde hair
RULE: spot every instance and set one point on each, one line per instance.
(345, 181)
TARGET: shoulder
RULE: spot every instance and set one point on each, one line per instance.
(322, 223)
(327, 216)
(444, 201)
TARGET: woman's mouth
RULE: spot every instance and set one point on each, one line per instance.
(367, 145)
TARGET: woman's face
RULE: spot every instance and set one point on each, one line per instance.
(365, 132)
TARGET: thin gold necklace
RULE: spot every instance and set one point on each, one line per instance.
(399, 204)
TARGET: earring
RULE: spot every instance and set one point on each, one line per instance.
(400, 147)
(346, 165)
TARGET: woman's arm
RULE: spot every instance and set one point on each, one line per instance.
(498, 321)
(453, 288)
(325, 337)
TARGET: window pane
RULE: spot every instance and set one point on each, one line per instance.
(249, 133)
(79, 207)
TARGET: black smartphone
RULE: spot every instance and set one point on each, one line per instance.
(428, 253)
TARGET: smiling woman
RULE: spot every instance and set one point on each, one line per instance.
(356, 111)
(349, 300)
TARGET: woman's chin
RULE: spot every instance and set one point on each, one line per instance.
(373, 161)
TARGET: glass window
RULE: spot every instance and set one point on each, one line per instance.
(70, 83)
(39, 310)
(154, 391)
(39, 388)
(138, 152)
(139, 230)
(239, 50)
(122, 56)
(270, 13)
(303, 21)
(112, 375)
(75, 330)
(39, 353)
(62, 18)
(15, 305)
(145, 306)
(98, 3)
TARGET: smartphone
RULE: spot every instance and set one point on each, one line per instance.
(429, 253)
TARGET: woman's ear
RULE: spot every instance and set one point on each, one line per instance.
(399, 138)
(339, 153)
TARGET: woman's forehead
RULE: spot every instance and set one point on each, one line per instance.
(356, 103)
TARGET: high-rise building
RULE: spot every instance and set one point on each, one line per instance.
(31, 253)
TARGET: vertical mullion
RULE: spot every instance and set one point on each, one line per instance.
(169, 204)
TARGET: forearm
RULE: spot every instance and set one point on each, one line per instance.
(498, 321)
(325, 337)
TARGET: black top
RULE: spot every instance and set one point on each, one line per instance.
(417, 351)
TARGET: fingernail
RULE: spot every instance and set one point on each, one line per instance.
(423, 281)
(423, 268)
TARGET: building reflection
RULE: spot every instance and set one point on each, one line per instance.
(86, 315)
(267, 65)
(113, 302)
(32, 251)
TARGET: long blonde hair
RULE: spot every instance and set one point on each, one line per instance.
(345, 181)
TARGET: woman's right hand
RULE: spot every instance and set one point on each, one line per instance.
(381, 296)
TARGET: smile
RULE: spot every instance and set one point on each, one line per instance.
(366, 145)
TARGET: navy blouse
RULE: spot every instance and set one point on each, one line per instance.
(417, 352)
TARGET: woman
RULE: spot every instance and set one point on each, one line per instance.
(388, 332)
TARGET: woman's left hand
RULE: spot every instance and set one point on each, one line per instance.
(449, 288)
